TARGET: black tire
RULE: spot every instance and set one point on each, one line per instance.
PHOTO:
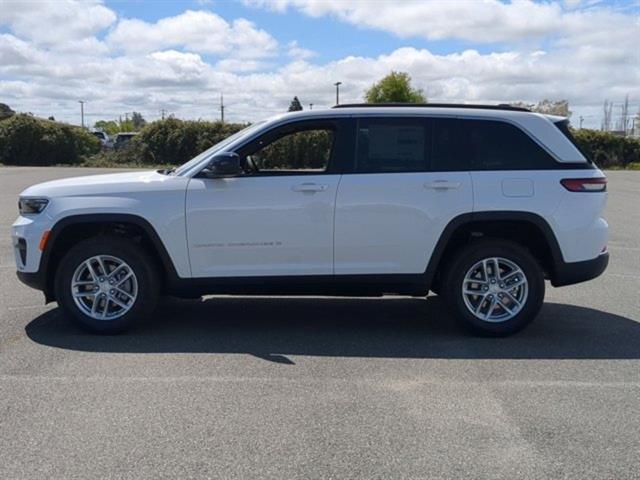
(146, 273)
(466, 258)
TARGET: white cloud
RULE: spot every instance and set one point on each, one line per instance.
(474, 20)
(196, 31)
(183, 63)
(55, 23)
(515, 21)
(16, 52)
(239, 65)
(298, 53)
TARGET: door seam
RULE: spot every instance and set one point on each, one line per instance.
(335, 207)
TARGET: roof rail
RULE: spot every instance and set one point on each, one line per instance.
(502, 106)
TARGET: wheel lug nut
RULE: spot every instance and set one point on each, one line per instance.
(112, 291)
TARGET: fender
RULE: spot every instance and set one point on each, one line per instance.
(42, 280)
(498, 215)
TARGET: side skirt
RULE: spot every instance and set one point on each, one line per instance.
(330, 285)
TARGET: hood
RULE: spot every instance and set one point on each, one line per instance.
(99, 184)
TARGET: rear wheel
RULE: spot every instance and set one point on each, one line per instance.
(494, 287)
(106, 284)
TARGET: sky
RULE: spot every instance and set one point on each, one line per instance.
(179, 57)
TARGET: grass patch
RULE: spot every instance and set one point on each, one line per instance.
(628, 166)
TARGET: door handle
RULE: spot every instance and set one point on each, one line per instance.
(310, 187)
(442, 185)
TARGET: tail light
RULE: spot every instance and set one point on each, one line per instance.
(597, 184)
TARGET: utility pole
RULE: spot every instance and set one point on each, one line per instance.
(81, 102)
(581, 120)
(311, 106)
(221, 109)
(162, 112)
(337, 84)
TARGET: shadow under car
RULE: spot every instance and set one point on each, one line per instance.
(274, 327)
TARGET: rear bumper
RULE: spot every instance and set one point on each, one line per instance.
(576, 272)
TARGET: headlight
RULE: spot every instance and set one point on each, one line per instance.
(32, 205)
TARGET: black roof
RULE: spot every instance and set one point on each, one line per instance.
(502, 106)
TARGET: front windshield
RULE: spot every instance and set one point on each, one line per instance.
(215, 148)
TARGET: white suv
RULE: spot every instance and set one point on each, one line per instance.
(479, 204)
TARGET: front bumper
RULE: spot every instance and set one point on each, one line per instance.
(26, 233)
(576, 272)
(32, 279)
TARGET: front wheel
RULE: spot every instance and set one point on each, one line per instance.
(495, 287)
(106, 284)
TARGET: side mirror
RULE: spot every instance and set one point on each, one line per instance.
(225, 164)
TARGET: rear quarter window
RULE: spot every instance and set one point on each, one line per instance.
(460, 144)
(494, 145)
(563, 126)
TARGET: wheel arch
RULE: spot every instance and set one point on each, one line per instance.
(70, 230)
(527, 228)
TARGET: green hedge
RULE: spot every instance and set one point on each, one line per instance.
(309, 149)
(608, 150)
(26, 140)
(174, 141)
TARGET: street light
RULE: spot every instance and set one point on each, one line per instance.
(337, 84)
(81, 102)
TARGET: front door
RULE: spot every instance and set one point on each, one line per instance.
(275, 219)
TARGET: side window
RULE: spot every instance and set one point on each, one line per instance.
(307, 150)
(447, 152)
(391, 145)
(491, 145)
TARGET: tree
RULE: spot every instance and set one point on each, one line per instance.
(553, 107)
(5, 111)
(394, 88)
(624, 122)
(137, 121)
(548, 107)
(110, 127)
(295, 105)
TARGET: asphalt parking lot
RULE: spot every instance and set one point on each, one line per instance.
(325, 388)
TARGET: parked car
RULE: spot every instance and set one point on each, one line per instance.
(103, 137)
(122, 139)
(477, 204)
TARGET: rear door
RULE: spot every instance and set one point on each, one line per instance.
(391, 208)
